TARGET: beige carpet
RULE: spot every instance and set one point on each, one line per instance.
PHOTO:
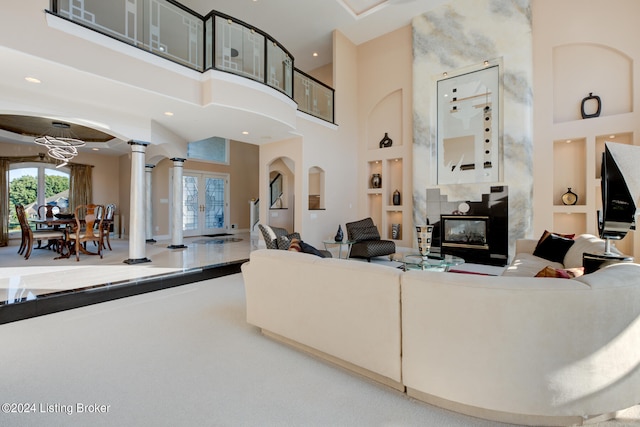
(186, 357)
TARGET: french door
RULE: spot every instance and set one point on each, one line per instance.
(205, 203)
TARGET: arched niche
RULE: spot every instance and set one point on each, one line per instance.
(583, 68)
(316, 188)
(281, 193)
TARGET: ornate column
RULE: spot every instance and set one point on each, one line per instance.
(149, 203)
(176, 223)
(137, 202)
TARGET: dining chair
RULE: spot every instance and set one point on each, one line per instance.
(107, 222)
(88, 228)
(28, 235)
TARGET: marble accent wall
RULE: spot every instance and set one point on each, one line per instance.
(462, 35)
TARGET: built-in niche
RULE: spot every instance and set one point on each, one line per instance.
(316, 188)
(281, 190)
(469, 149)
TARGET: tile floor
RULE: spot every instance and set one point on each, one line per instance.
(22, 279)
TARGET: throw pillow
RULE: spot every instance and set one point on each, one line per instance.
(548, 233)
(553, 248)
(284, 242)
(308, 249)
(562, 273)
(294, 245)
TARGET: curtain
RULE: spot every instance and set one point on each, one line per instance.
(80, 187)
(4, 204)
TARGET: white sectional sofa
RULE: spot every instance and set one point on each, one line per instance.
(534, 351)
(346, 311)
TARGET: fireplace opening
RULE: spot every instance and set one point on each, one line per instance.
(460, 231)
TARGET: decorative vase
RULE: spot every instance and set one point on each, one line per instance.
(339, 235)
(396, 198)
(395, 231)
(569, 198)
(424, 232)
(586, 99)
(386, 141)
(376, 180)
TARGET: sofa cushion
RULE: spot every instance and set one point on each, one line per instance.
(553, 247)
(528, 265)
(560, 273)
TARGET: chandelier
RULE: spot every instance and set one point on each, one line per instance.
(60, 143)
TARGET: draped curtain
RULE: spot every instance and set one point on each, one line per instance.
(4, 203)
(80, 189)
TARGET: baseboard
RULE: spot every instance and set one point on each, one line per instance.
(507, 417)
(336, 361)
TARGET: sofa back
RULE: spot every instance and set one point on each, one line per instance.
(524, 345)
(347, 309)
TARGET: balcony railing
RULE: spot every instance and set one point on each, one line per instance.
(216, 41)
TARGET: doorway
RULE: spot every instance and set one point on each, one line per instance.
(205, 207)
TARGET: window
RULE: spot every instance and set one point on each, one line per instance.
(214, 149)
(36, 184)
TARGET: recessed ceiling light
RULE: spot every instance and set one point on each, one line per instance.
(32, 80)
(95, 149)
(612, 136)
(315, 54)
(168, 113)
(245, 132)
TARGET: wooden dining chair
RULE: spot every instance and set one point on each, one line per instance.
(88, 228)
(107, 223)
(29, 235)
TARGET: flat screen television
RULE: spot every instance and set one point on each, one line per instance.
(618, 206)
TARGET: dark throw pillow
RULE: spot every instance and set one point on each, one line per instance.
(553, 248)
(308, 249)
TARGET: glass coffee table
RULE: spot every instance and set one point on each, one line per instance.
(432, 262)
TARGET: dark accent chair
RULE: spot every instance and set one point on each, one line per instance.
(368, 243)
(280, 238)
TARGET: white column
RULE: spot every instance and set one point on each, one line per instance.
(137, 202)
(149, 204)
(176, 226)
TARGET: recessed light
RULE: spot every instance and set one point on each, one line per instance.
(244, 132)
(95, 149)
(568, 141)
(315, 54)
(612, 136)
(32, 80)
(168, 113)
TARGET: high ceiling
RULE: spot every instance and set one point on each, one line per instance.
(304, 27)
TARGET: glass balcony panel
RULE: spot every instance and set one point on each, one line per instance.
(313, 97)
(173, 33)
(279, 68)
(208, 25)
(239, 49)
(118, 18)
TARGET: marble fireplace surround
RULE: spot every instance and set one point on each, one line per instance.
(462, 35)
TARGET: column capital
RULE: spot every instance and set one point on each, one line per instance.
(149, 166)
(178, 159)
(134, 142)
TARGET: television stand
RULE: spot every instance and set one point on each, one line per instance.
(593, 262)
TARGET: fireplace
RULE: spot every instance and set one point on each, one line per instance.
(462, 231)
